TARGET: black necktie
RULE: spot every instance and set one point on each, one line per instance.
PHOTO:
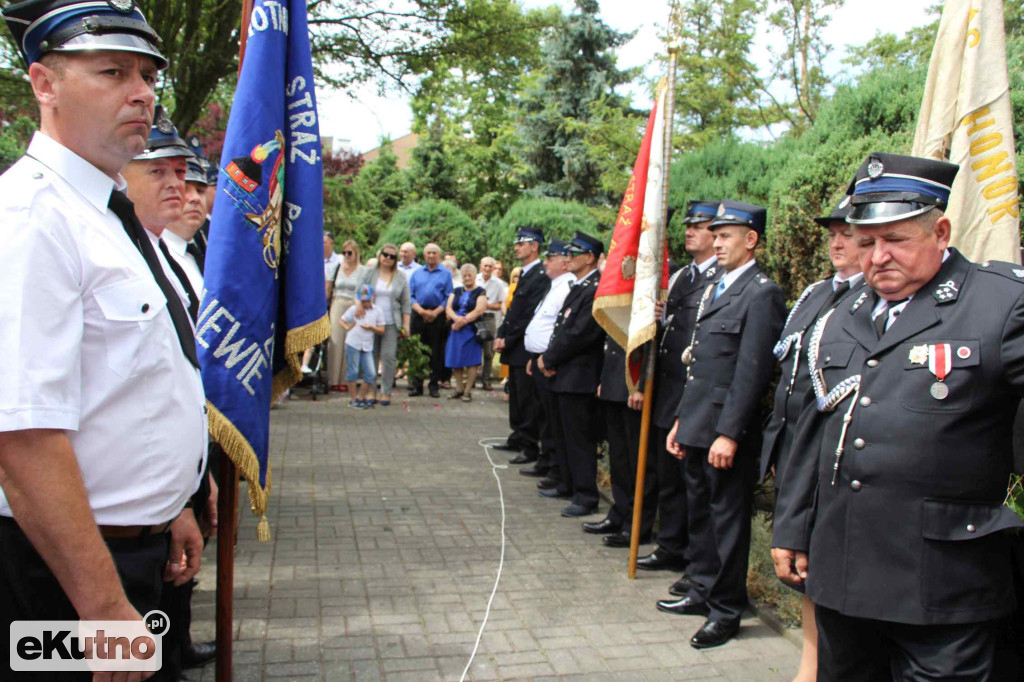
(883, 317)
(125, 211)
(193, 299)
(197, 253)
(839, 291)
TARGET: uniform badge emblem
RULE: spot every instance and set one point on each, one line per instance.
(163, 123)
(628, 267)
(1018, 272)
(859, 302)
(919, 355)
(875, 168)
(963, 352)
(122, 6)
(721, 210)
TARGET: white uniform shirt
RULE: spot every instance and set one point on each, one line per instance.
(177, 246)
(538, 332)
(88, 344)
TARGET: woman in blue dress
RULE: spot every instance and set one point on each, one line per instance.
(463, 353)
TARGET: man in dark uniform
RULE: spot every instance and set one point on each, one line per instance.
(574, 358)
(621, 411)
(209, 177)
(794, 385)
(896, 526)
(729, 367)
(680, 312)
(524, 406)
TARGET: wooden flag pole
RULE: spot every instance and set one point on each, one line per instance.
(227, 500)
(660, 235)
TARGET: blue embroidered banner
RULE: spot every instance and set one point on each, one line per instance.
(264, 301)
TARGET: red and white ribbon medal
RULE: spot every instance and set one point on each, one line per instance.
(940, 361)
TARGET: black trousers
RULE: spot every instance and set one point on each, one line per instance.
(579, 414)
(30, 591)
(524, 396)
(623, 434)
(673, 536)
(719, 505)
(865, 650)
(435, 336)
(550, 430)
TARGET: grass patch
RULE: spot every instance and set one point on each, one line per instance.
(762, 584)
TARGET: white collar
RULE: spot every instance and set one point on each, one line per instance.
(837, 279)
(703, 267)
(731, 277)
(527, 268)
(566, 277)
(174, 242)
(86, 179)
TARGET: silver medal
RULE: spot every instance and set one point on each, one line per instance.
(939, 390)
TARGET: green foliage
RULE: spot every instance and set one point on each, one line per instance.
(1015, 495)
(557, 218)
(13, 141)
(440, 222)
(361, 208)
(579, 68)
(433, 172)
(414, 355)
(717, 88)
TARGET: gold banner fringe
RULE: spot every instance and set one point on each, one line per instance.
(604, 319)
(235, 444)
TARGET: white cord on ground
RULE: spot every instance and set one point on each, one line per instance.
(486, 445)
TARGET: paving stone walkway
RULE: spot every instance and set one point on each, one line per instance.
(386, 540)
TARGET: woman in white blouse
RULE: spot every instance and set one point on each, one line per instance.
(350, 276)
(392, 298)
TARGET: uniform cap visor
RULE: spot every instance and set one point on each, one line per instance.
(119, 42)
(164, 153)
(198, 178)
(882, 212)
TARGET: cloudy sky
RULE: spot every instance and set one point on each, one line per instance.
(359, 122)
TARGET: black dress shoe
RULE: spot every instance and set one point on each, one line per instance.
(603, 527)
(434, 393)
(622, 539)
(555, 494)
(522, 458)
(548, 482)
(660, 560)
(714, 634)
(574, 510)
(416, 393)
(683, 607)
(533, 471)
(199, 654)
(681, 587)
(506, 447)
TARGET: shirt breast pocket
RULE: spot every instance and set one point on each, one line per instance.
(136, 342)
(724, 336)
(921, 390)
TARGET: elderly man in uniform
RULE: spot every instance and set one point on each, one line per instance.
(792, 391)
(167, 185)
(717, 429)
(893, 515)
(676, 318)
(551, 466)
(103, 434)
(573, 360)
(524, 413)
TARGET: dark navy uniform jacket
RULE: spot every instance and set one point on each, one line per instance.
(680, 314)
(732, 361)
(795, 382)
(911, 530)
(576, 351)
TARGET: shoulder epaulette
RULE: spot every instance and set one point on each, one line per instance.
(1007, 270)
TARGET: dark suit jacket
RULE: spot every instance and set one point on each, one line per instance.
(911, 530)
(576, 350)
(613, 372)
(680, 314)
(532, 288)
(732, 360)
(792, 393)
